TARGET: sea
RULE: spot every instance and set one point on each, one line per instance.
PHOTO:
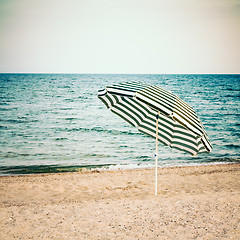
(56, 123)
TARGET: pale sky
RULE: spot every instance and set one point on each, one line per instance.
(120, 36)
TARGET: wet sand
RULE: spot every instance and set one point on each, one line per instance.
(200, 202)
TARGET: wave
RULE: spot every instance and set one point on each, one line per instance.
(232, 146)
(231, 96)
(19, 170)
(18, 120)
(42, 169)
(232, 89)
(98, 129)
(14, 154)
(71, 118)
(60, 139)
(7, 109)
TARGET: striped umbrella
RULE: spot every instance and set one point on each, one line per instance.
(159, 114)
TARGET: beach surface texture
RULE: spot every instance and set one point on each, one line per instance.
(201, 202)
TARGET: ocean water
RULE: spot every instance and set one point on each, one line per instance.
(55, 122)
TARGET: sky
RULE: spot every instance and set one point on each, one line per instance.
(120, 36)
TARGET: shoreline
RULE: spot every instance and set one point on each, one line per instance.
(193, 202)
(51, 169)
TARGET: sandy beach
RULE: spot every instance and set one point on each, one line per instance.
(200, 202)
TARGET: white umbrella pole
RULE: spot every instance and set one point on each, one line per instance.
(156, 155)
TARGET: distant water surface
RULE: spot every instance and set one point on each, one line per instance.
(55, 122)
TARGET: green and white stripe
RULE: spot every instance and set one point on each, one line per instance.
(178, 125)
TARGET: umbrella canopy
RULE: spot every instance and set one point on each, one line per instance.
(139, 104)
(159, 114)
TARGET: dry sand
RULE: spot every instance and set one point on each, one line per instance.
(193, 203)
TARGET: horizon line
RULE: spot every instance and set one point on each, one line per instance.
(120, 73)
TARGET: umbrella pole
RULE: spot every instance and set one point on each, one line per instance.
(156, 155)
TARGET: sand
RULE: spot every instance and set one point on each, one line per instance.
(200, 202)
